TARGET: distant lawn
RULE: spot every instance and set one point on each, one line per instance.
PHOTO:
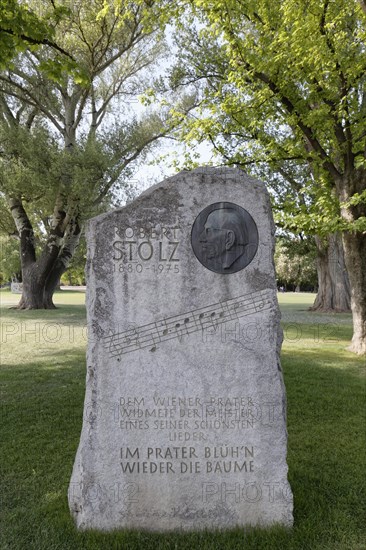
(42, 380)
(64, 297)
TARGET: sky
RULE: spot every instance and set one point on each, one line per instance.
(156, 168)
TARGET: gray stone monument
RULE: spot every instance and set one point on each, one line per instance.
(185, 412)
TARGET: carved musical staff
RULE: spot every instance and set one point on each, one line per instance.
(152, 334)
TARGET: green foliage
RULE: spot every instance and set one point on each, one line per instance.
(75, 274)
(7, 225)
(31, 25)
(20, 27)
(27, 160)
(69, 143)
(33, 164)
(295, 262)
(282, 89)
(9, 259)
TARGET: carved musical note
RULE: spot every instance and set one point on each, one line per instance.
(178, 326)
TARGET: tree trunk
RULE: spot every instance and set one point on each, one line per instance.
(39, 285)
(334, 292)
(353, 210)
(41, 276)
(355, 257)
(35, 294)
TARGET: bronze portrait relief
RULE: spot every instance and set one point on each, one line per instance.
(224, 237)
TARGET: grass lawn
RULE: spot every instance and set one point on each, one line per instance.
(42, 389)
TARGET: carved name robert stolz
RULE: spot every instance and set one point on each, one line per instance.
(184, 422)
(145, 244)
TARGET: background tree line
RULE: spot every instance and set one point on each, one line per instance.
(276, 88)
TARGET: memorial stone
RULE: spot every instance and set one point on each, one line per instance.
(184, 422)
(16, 288)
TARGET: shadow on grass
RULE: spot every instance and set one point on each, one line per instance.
(326, 453)
(312, 359)
(61, 314)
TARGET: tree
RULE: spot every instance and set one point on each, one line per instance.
(59, 155)
(295, 262)
(9, 260)
(334, 293)
(21, 27)
(290, 195)
(75, 274)
(286, 82)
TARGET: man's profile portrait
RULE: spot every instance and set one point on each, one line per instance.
(224, 237)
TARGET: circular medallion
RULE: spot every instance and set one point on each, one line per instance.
(224, 237)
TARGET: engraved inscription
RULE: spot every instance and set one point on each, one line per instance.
(146, 249)
(191, 419)
(188, 460)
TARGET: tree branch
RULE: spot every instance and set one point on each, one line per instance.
(66, 252)
(12, 120)
(38, 41)
(288, 105)
(31, 117)
(363, 5)
(25, 230)
(57, 227)
(134, 39)
(82, 104)
(33, 101)
(347, 137)
(306, 130)
(124, 165)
